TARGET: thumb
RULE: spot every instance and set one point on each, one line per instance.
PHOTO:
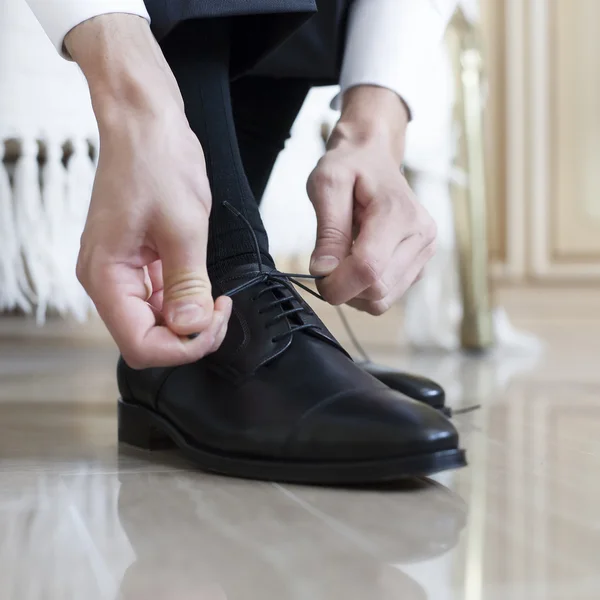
(188, 303)
(333, 202)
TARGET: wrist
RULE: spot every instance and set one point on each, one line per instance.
(124, 67)
(372, 115)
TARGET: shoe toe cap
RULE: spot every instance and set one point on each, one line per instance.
(370, 425)
(414, 386)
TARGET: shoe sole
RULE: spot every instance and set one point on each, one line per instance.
(143, 428)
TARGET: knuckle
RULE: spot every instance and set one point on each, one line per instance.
(430, 250)
(134, 358)
(180, 229)
(81, 272)
(199, 186)
(368, 269)
(378, 308)
(390, 199)
(380, 290)
(330, 295)
(429, 229)
(326, 176)
(185, 284)
(431, 232)
(82, 268)
(331, 234)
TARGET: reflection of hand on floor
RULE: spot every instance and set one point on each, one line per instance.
(210, 539)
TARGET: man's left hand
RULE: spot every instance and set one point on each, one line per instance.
(373, 236)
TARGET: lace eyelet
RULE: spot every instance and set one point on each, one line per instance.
(274, 340)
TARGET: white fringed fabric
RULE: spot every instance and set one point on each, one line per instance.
(14, 291)
(80, 181)
(54, 199)
(46, 114)
(42, 216)
(31, 225)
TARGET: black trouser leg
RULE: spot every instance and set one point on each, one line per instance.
(264, 110)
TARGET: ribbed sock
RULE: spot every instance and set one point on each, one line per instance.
(198, 53)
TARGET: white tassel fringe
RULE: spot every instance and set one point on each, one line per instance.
(32, 227)
(12, 271)
(80, 181)
(53, 196)
(42, 216)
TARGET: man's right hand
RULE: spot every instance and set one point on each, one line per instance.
(143, 251)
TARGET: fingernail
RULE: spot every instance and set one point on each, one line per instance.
(186, 315)
(324, 265)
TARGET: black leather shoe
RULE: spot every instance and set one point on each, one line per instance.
(414, 386)
(281, 400)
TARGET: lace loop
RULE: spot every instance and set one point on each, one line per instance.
(276, 280)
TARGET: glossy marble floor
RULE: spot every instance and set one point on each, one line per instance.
(83, 519)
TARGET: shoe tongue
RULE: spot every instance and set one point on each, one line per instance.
(238, 275)
(286, 292)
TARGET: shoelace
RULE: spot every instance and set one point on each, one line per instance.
(367, 359)
(275, 280)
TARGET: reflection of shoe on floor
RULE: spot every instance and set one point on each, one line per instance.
(282, 401)
(223, 539)
(400, 523)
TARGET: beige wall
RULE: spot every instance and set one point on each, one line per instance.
(543, 126)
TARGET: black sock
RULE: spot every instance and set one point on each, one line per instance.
(198, 53)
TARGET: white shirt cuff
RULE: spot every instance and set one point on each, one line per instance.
(390, 44)
(58, 17)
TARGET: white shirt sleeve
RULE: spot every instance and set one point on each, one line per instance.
(390, 43)
(58, 17)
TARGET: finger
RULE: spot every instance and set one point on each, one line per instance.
(147, 283)
(118, 292)
(157, 314)
(156, 301)
(370, 256)
(187, 300)
(411, 276)
(332, 193)
(133, 324)
(155, 275)
(220, 337)
(158, 346)
(155, 282)
(402, 261)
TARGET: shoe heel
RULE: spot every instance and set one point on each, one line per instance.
(136, 429)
